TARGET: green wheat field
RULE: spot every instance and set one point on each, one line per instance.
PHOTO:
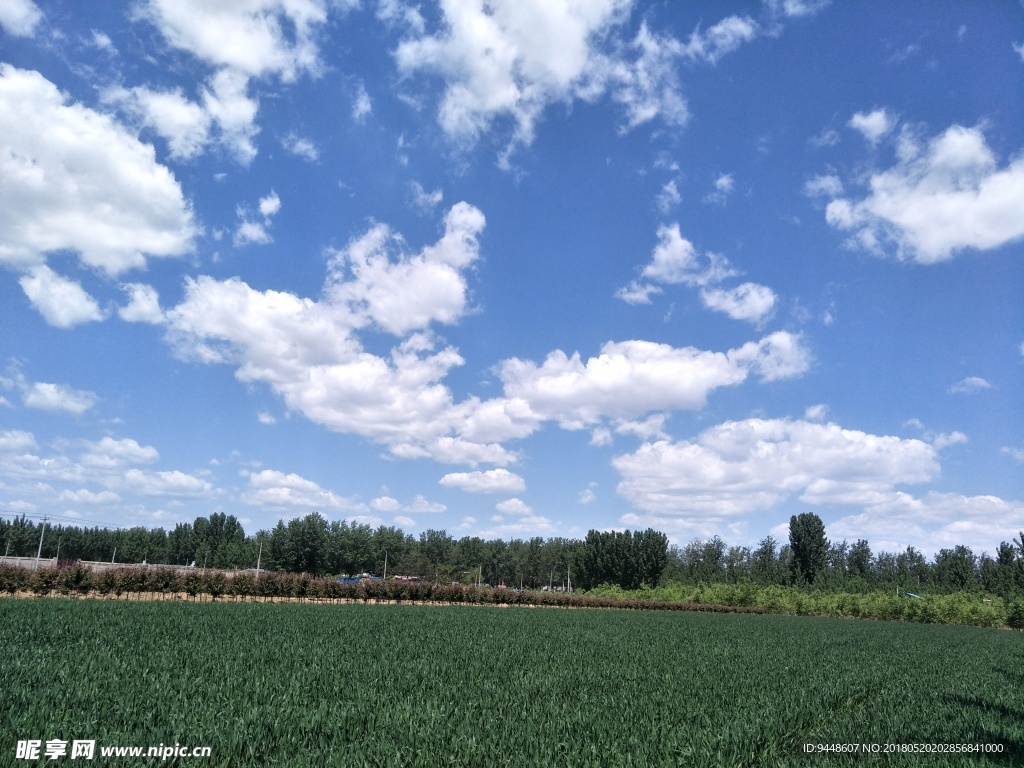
(380, 685)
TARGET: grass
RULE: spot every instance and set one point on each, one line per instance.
(354, 685)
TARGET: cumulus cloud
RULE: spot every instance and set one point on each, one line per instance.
(56, 397)
(419, 505)
(301, 147)
(587, 496)
(257, 38)
(510, 59)
(362, 107)
(720, 39)
(940, 198)
(20, 17)
(969, 386)
(724, 186)
(72, 179)
(828, 185)
(143, 305)
(422, 200)
(872, 125)
(739, 467)
(113, 454)
(669, 197)
(184, 124)
(675, 261)
(169, 483)
(272, 489)
(62, 302)
(491, 481)
(249, 230)
(632, 378)
(932, 521)
(309, 351)
(513, 507)
(637, 292)
(749, 301)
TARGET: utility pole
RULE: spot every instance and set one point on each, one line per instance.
(40, 550)
(258, 558)
(113, 556)
(385, 566)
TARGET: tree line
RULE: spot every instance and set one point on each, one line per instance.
(316, 546)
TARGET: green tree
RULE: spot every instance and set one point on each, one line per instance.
(809, 547)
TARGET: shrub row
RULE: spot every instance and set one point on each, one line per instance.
(959, 608)
(78, 580)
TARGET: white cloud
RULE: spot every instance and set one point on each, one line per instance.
(422, 200)
(143, 305)
(587, 496)
(651, 427)
(969, 386)
(112, 454)
(85, 496)
(308, 351)
(14, 440)
(301, 147)
(737, 468)
(724, 186)
(385, 504)
(797, 8)
(361, 106)
(669, 197)
(637, 292)
(649, 87)
(405, 522)
(828, 137)
(1017, 454)
(266, 418)
(1019, 48)
(277, 490)
(631, 378)
(946, 439)
(270, 205)
(256, 37)
(510, 59)
(933, 521)
(872, 125)
(675, 260)
(419, 505)
(938, 200)
(824, 186)
(251, 232)
(396, 12)
(173, 483)
(184, 124)
(73, 179)
(816, 412)
(491, 481)
(62, 302)
(750, 302)
(513, 507)
(20, 17)
(103, 42)
(56, 397)
(227, 103)
(722, 38)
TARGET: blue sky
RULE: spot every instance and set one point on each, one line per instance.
(516, 268)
